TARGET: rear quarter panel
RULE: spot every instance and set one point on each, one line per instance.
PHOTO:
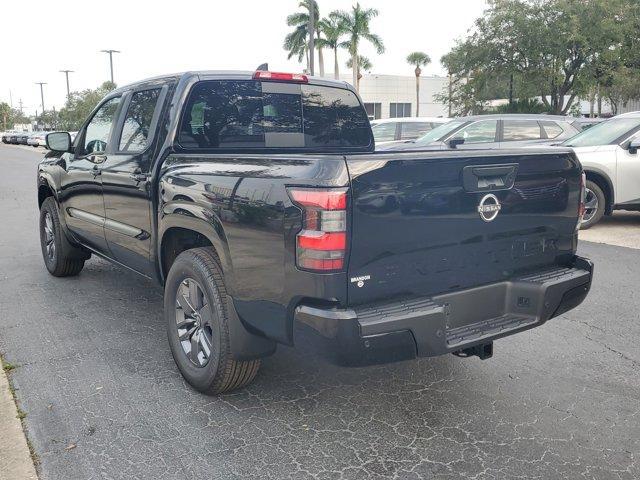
(242, 205)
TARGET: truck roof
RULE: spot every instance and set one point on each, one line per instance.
(228, 74)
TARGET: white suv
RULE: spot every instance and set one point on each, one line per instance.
(609, 155)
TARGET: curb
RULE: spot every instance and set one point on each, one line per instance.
(15, 459)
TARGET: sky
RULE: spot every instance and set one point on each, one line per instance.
(159, 37)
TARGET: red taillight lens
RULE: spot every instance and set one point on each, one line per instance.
(322, 243)
(280, 76)
(313, 240)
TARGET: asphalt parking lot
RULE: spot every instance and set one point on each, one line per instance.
(104, 399)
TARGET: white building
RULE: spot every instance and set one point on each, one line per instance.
(391, 96)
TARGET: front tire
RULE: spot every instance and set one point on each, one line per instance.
(197, 324)
(60, 257)
(595, 204)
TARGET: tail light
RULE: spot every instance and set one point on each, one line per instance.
(321, 245)
(280, 76)
(583, 195)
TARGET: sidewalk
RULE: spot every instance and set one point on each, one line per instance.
(15, 460)
(620, 229)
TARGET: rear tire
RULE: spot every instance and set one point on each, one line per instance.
(595, 203)
(195, 309)
(61, 258)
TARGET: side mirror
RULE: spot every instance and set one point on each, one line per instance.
(59, 141)
(634, 146)
(454, 142)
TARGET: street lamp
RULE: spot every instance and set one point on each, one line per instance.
(66, 73)
(41, 93)
(111, 52)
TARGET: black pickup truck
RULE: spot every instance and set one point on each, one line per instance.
(258, 201)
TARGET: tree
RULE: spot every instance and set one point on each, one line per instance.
(48, 120)
(618, 73)
(356, 26)
(363, 64)
(333, 30)
(297, 41)
(524, 105)
(419, 59)
(545, 48)
(80, 105)
(5, 116)
(10, 117)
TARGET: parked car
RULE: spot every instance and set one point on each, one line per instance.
(38, 139)
(583, 123)
(15, 138)
(609, 155)
(390, 130)
(23, 138)
(243, 194)
(6, 136)
(493, 131)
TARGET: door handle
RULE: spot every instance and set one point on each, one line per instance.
(138, 176)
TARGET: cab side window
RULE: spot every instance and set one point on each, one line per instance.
(413, 130)
(479, 132)
(384, 132)
(99, 128)
(137, 123)
(518, 130)
(552, 129)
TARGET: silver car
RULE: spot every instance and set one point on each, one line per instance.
(37, 139)
(493, 131)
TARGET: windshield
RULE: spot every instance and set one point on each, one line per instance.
(439, 132)
(604, 133)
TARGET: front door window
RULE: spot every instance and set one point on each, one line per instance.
(99, 128)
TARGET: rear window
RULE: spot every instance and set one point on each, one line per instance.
(234, 114)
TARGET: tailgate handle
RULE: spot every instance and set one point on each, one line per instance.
(489, 177)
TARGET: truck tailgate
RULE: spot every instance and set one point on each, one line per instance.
(417, 224)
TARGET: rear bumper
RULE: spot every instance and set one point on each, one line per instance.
(448, 322)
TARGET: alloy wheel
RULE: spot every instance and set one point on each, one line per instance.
(590, 204)
(193, 319)
(49, 237)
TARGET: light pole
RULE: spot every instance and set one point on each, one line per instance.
(111, 52)
(66, 74)
(41, 93)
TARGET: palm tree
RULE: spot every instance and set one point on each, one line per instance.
(419, 59)
(356, 26)
(363, 64)
(297, 42)
(331, 28)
